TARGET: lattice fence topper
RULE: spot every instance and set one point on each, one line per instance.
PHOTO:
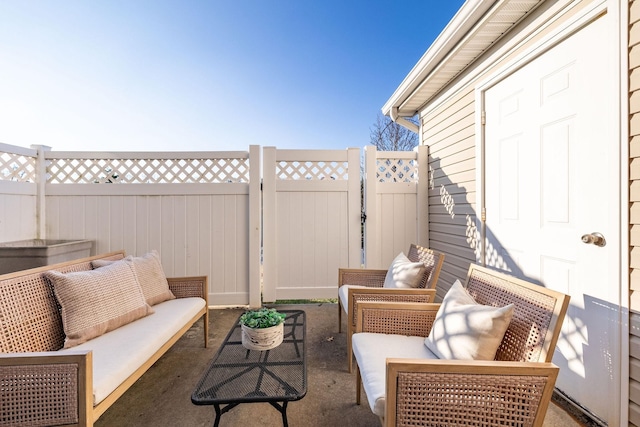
(396, 170)
(147, 171)
(312, 170)
(17, 167)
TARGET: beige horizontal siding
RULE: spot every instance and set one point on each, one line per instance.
(634, 150)
(449, 131)
(634, 370)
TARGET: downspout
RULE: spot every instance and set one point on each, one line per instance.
(403, 122)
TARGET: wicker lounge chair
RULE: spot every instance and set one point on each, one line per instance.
(367, 285)
(513, 389)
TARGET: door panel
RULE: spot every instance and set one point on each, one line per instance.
(551, 177)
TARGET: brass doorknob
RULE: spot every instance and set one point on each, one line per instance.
(594, 239)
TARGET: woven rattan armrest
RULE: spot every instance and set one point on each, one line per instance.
(369, 277)
(46, 388)
(403, 318)
(183, 287)
(196, 286)
(489, 392)
(357, 296)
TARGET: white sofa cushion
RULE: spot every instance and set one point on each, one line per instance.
(372, 350)
(404, 273)
(119, 353)
(466, 330)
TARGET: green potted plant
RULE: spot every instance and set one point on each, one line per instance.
(262, 329)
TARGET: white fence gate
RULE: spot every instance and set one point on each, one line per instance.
(396, 205)
(311, 221)
(206, 214)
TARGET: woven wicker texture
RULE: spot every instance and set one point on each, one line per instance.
(364, 277)
(51, 399)
(524, 338)
(400, 322)
(362, 296)
(29, 315)
(456, 399)
(29, 312)
(194, 287)
(375, 279)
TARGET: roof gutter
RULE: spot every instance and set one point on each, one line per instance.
(463, 21)
(403, 122)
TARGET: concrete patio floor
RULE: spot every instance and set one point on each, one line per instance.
(162, 397)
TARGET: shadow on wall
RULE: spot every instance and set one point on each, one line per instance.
(583, 350)
(455, 205)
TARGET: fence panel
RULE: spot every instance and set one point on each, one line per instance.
(395, 203)
(194, 208)
(311, 221)
(18, 193)
(205, 214)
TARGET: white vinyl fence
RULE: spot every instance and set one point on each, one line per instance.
(282, 235)
(395, 203)
(311, 221)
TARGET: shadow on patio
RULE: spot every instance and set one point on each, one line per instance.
(162, 397)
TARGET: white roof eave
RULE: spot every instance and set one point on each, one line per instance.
(475, 27)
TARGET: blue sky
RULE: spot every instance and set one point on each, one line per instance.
(133, 75)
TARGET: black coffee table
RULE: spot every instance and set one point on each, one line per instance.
(237, 375)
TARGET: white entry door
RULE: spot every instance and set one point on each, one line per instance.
(551, 176)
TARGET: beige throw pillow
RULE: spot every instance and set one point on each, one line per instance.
(97, 301)
(150, 276)
(404, 273)
(464, 329)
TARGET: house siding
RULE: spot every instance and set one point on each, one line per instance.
(449, 129)
(449, 133)
(634, 213)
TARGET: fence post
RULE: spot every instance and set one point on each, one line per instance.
(355, 208)
(422, 198)
(269, 255)
(371, 238)
(255, 229)
(41, 181)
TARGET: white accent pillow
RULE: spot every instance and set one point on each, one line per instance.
(466, 330)
(404, 273)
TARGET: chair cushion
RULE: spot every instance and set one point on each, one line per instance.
(464, 329)
(404, 273)
(343, 294)
(119, 353)
(150, 276)
(372, 350)
(94, 302)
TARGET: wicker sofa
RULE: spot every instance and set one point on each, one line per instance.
(42, 383)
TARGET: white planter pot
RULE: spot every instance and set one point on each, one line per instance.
(262, 338)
